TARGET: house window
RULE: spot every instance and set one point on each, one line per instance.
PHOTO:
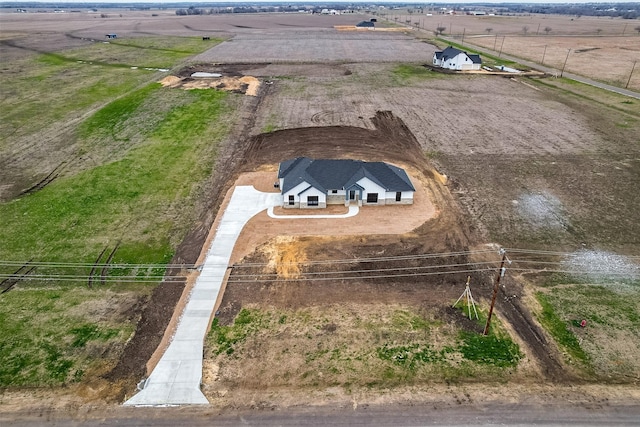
(312, 201)
(291, 201)
(372, 197)
(398, 196)
(334, 191)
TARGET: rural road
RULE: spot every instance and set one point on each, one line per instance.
(553, 71)
(467, 414)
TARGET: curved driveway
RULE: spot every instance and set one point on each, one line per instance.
(177, 376)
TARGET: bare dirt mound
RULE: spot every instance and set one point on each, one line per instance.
(247, 85)
(390, 141)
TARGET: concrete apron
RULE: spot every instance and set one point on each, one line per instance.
(177, 377)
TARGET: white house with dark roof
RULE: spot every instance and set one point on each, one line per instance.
(308, 183)
(455, 59)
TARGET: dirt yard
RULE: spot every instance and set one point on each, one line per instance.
(527, 166)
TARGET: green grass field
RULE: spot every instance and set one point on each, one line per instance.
(151, 148)
(607, 346)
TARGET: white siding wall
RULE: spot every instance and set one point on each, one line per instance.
(371, 187)
(460, 62)
(322, 198)
(456, 62)
(293, 192)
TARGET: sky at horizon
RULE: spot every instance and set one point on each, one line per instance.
(319, 1)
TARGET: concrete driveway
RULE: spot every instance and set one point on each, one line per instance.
(176, 378)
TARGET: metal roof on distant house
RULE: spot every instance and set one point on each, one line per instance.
(325, 174)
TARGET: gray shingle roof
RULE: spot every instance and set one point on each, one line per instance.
(326, 174)
(475, 59)
(452, 52)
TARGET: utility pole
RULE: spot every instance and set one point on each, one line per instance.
(565, 62)
(538, 30)
(632, 68)
(500, 54)
(496, 287)
(464, 30)
(495, 42)
(544, 53)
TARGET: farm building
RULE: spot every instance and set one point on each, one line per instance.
(308, 183)
(455, 59)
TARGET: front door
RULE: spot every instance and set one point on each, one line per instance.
(353, 195)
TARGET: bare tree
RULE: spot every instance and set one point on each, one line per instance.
(488, 30)
(440, 30)
(599, 30)
(637, 29)
(547, 30)
(525, 30)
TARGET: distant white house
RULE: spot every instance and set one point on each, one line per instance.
(455, 59)
(308, 183)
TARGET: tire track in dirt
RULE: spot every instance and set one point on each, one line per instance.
(523, 324)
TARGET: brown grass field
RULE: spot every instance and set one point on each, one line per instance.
(594, 41)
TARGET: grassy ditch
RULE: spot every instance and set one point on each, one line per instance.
(607, 346)
(62, 335)
(353, 346)
(582, 92)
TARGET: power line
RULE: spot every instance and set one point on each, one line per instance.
(532, 252)
(384, 276)
(373, 270)
(89, 265)
(361, 274)
(374, 259)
